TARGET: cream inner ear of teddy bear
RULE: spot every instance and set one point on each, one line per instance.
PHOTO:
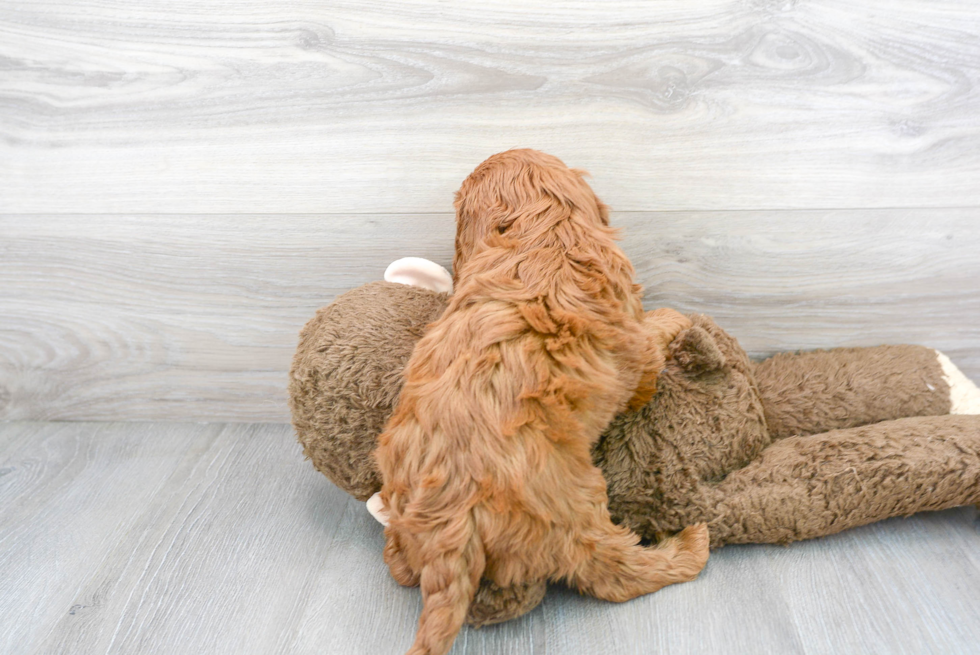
(377, 509)
(419, 272)
(964, 396)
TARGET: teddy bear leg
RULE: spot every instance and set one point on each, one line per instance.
(813, 392)
(804, 487)
(495, 604)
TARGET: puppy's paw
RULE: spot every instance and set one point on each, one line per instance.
(664, 325)
(661, 326)
(695, 540)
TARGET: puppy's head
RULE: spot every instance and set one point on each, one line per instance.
(515, 193)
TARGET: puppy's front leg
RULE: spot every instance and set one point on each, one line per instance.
(662, 326)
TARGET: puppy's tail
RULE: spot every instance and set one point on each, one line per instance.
(449, 581)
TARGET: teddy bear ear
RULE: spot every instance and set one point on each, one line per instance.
(419, 272)
(696, 351)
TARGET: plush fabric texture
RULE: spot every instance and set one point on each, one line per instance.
(810, 486)
(813, 392)
(347, 373)
(493, 604)
(766, 452)
(706, 420)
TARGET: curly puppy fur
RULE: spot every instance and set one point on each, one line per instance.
(486, 461)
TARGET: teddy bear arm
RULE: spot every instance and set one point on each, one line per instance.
(811, 486)
(813, 392)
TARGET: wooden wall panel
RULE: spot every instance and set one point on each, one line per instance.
(196, 317)
(189, 106)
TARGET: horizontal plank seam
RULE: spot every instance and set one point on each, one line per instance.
(449, 213)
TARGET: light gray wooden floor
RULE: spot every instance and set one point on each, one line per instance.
(219, 538)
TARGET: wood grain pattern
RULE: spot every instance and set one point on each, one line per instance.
(181, 538)
(906, 553)
(184, 317)
(197, 317)
(785, 281)
(67, 497)
(220, 561)
(194, 106)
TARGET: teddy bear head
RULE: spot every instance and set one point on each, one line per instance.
(347, 373)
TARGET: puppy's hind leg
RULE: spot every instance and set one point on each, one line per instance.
(620, 569)
(397, 562)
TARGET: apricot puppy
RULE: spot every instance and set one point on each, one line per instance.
(486, 461)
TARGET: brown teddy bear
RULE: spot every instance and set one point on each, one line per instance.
(794, 447)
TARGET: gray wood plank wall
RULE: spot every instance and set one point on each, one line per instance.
(183, 183)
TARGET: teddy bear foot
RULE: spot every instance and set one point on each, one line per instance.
(493, 604)
(964, 396)
(377, 509)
